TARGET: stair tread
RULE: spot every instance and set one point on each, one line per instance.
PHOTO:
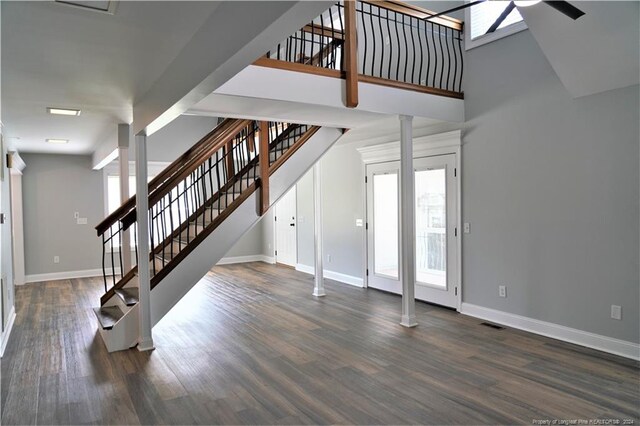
(129, 295)
(108, 316)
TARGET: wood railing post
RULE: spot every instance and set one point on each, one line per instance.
(351, 53)
(264, 167)
(229, 159)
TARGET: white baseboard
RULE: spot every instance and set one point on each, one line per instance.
(245, 259)
(583, 338)
(87, 273)
(7, 331)
(332, 275)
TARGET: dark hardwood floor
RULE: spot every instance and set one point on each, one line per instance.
(250, 345)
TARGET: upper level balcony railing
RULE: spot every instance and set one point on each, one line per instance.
(397, 45)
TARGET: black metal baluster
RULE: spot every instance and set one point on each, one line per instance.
(373, 35)
(113, 264)
(406, 48)
(419, 21)
(120, 251)
(441, 55)
(104, 269)
(446, 39)
(413, 46)
(171, 228)
(382, 41)
(179, 214)
(153, 260)
(135, 240)
(435, 54)
(461, 60)
(364, 36)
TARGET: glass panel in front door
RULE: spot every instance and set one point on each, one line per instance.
(431, 227)
(385, 222)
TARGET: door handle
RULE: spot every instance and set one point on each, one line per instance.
(292, 224)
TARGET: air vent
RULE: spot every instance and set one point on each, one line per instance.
(94, 6)
(488, 324)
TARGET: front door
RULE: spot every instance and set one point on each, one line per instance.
(435, 228)
(383, 224)
(285, 217)
(435, 233)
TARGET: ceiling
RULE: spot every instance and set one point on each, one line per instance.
(597, 52)
(64, 56)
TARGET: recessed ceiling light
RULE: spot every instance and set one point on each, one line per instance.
(63, 111)
(58, 141)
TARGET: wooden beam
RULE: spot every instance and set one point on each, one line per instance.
(351, 53)
(229, 159)
(264, 167)
(292, 66)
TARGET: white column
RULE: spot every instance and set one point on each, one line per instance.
(407, 222)
(124, 132)
(145, 341)
(318, 284)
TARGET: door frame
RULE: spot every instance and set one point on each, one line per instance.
(423, 146)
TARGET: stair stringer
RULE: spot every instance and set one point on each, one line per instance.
(192, 268)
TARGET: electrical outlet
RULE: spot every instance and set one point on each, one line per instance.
(467, 228)
(56, 259)
(82, 221)
(502, 290)
(359, 223)
(76, 215)
(616, 312)
(329, 258)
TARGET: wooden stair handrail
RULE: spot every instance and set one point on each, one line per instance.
(227, 129)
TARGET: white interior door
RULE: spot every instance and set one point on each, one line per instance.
(435, 230)
(435, 234)
(285, 217)
(383, 224)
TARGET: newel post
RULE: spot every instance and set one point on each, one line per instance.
(263, 164)
(351, 53)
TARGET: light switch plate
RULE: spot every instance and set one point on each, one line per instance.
(616, 312)
(466, 228)
(359, 222)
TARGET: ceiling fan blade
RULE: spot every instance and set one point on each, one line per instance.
(567, 8)
(455, 9)
(507, 10)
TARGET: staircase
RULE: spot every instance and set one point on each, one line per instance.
(199, 206)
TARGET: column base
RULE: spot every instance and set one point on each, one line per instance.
(146, 345)
(319, 293)
(408, 322)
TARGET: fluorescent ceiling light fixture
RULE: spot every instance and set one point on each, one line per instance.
(63, 111)
(526, 3)
(58, 141)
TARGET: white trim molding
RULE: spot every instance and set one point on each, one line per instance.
(246, 259)
(7, 331)
(571, 335)
(332, 275)
(423, 146)
(53, 276)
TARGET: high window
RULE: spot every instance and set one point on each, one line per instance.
(481, 16)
